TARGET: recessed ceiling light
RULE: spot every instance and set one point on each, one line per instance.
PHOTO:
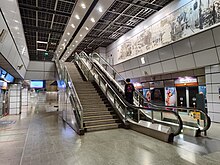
(42, 42)
(76, 41)
(16, 28)
(100, 10)
(72, 25)
(92, 19)
(60, 48)
(83, 5)
(16, 21)
(65, 40)
(67, 52)
(68, 33)
(59, 51)
(77, 16)
(73, 45)
(70, 49)
(86, 28)
(80, 35)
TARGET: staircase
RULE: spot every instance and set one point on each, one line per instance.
(97, 111)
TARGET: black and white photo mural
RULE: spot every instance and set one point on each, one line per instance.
(191, 18)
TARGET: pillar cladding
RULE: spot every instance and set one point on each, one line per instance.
(15, 99)
(213, 91)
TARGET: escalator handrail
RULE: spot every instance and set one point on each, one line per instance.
(123, 101)
(207, 126)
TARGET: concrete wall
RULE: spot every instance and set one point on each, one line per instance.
(39, 70)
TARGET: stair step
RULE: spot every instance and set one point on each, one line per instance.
(100, 122)
(97, 113)
(102, 127)
(87, 118)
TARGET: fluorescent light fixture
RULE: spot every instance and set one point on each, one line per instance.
(23, 50)
(42, 42)
(86, 28)
(16, 21)
(59, 51)
(72, 25)
(73, 45)
(100, 10)
(53, 43)
(60, 48)
(65, 40)
(41, 49)
(76, 41)
(92, 19)
(67, 52)
(16, 28)
(77, 16)
(68, 33)
(83, 5)
(80, 35)
(142, 60)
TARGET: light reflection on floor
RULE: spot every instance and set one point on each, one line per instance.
(50, 141)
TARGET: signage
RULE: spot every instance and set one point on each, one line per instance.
(186, 81)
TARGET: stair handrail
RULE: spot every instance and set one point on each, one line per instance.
(141, 109)
(73, 91)
(207, 118)
(74, 95)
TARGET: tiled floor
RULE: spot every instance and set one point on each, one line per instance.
(39, 137)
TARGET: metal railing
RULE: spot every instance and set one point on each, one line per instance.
(202, 122)
(126, 111)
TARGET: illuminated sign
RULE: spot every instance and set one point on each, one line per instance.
(186, 81)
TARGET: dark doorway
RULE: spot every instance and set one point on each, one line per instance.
(192, 94)
(181, 96)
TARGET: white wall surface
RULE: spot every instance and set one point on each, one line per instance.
(134, 43)
(212, 87)
(39, 70)
(9, 49)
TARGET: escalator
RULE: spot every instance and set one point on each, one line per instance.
(145, 120)
(191, 126)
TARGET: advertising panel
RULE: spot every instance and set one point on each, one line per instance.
(170, 96)
(147, 94)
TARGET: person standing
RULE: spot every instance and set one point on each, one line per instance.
(129, 89)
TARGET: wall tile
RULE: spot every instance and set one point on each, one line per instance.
(216, 32)
(207, 57)
(202, 41)
(215, 78)
(153, 57)
(182, 47)
(166, 53)
(156, 68)
(169, 66)
(185, 62)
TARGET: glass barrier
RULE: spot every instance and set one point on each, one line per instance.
(69, 102)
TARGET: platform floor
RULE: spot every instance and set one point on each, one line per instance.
(39, 137)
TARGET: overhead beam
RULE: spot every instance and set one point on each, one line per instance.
(41, 9)
(42, 29)
(148, 5)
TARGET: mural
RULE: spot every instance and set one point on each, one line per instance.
(187, 20)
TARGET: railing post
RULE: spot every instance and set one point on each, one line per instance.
(138, 119)
(152, 116)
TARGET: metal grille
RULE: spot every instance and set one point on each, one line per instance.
(44, 21)
(122, 16)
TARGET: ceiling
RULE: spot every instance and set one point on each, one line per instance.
(45, 21)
